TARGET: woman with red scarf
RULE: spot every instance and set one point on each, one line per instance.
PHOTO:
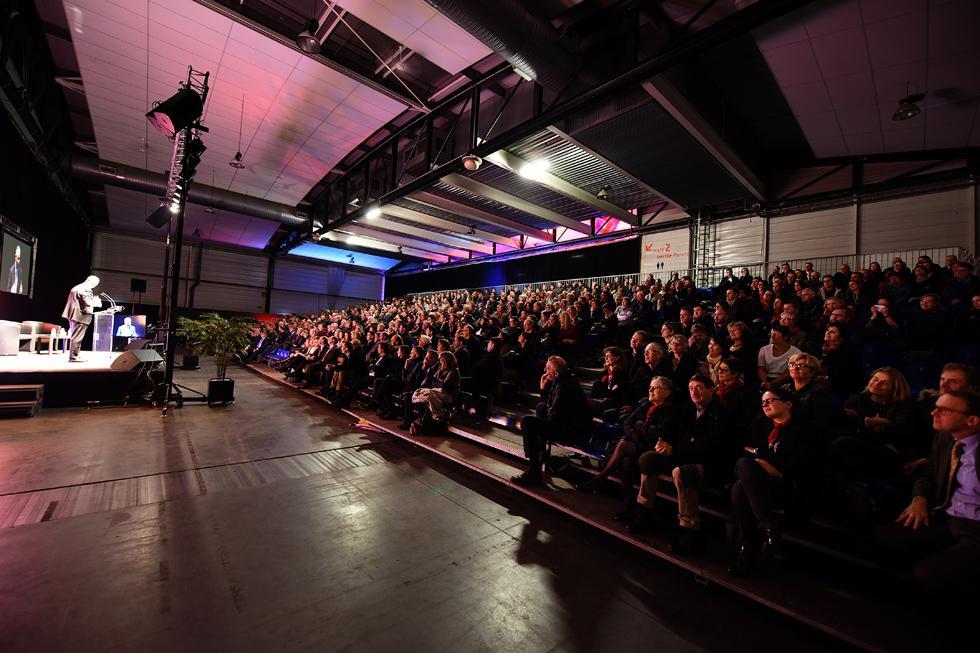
(653, 417)
(765, 477)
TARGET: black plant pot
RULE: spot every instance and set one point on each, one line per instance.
(221, 391)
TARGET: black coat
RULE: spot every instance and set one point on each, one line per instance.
(643, 428)
(564, 403)
(788, 452)
(701, 439)
(932, 479)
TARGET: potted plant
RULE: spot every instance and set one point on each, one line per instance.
(214, 335)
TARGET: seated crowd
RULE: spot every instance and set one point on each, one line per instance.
(794, 396)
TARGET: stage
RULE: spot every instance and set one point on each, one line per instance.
(68, 384)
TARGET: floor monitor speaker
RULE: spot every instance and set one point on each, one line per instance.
(128, 360)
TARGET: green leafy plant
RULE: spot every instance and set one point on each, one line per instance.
(214, 335)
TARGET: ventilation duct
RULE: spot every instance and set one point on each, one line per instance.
(528, 43)
(123, 176)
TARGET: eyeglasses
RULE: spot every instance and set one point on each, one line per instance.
(769, 402)
(800, 366)
(943, 410)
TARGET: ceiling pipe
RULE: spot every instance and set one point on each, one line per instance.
(527, 42)
(144, 181)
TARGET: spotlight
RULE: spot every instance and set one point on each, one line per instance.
(306, 40)
(192, 157)
(176, 113)
(159, 217)
(237, 161)
(471, 231)
(534, 169)
(175, 207)
(373, 213)
(907, 107)
(472, 162)
(603, 192)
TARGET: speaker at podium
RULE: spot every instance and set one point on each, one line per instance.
(128, 360)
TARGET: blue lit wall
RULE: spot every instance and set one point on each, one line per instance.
(337, 255)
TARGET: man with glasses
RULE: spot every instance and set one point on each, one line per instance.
(940, 528)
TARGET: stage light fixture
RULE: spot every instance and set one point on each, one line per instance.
(192, 157)
(237, 162)
(472, 162)
(306, 40)
(373, 213)
(907, 107)
(177, 112)
(603, 193)
(534, 169)
(159, 217)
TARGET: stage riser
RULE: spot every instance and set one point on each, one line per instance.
(62, 389)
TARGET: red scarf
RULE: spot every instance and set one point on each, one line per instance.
(651, 410)
(774, 434)
(724, 390)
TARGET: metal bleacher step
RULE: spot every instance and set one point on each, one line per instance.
(19, 408)
(24, 392)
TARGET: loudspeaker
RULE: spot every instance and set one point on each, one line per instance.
(137, 285)
(127, 360)
(138, 343)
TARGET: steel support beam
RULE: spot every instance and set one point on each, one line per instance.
(514, 163)
(405, 241)
(447, 225)
(428, 234)
(471, 213)
(497, 195)
(681, 110)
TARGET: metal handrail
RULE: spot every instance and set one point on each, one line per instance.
(713, 275)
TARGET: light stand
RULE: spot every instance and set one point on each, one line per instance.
(181, 114)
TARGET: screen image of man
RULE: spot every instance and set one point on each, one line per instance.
(78, 311)
(126, 329)
(15, 275)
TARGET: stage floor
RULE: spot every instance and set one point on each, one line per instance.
(26, 362)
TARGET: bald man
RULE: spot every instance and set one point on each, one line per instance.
(78, 311)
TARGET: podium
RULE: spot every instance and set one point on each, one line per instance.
(102, 331)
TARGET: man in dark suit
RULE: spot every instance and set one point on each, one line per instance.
(78, 311)
(15, 277)
(940, 529)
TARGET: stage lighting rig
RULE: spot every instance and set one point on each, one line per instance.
(179, 118)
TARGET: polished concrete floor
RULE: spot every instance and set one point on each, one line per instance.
(296, 532)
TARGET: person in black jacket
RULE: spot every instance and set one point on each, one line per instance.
(423, 376)
(611, 390)
(408, 360)
(358, 374)
(765, 476)
(486, 371)
(562, 416)
(692, 454)
(653, 418)
(437, 399)
(939, 531)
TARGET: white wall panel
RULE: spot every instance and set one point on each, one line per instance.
(363, 286)
(285, 301)
(229, 298)
(293, 275)
(831, 232)
(739, 242)
(233, 267)
(924, 221)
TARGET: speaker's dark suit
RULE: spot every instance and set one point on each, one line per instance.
(78, 311)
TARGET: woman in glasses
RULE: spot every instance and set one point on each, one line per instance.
(812, 400)
(765, 478)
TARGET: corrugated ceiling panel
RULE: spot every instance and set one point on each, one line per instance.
(480, 202)
(739, 242)
(452, 217)
(819, 233)
(516, 185)
(934, 220)
(581, 168)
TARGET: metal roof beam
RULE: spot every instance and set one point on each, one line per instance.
(405, 241)
(399, 227)
(472, 213)
(491, 193)
(691, 120)
(514, 163)
(448, 225)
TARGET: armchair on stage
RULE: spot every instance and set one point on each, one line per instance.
(102, 330)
